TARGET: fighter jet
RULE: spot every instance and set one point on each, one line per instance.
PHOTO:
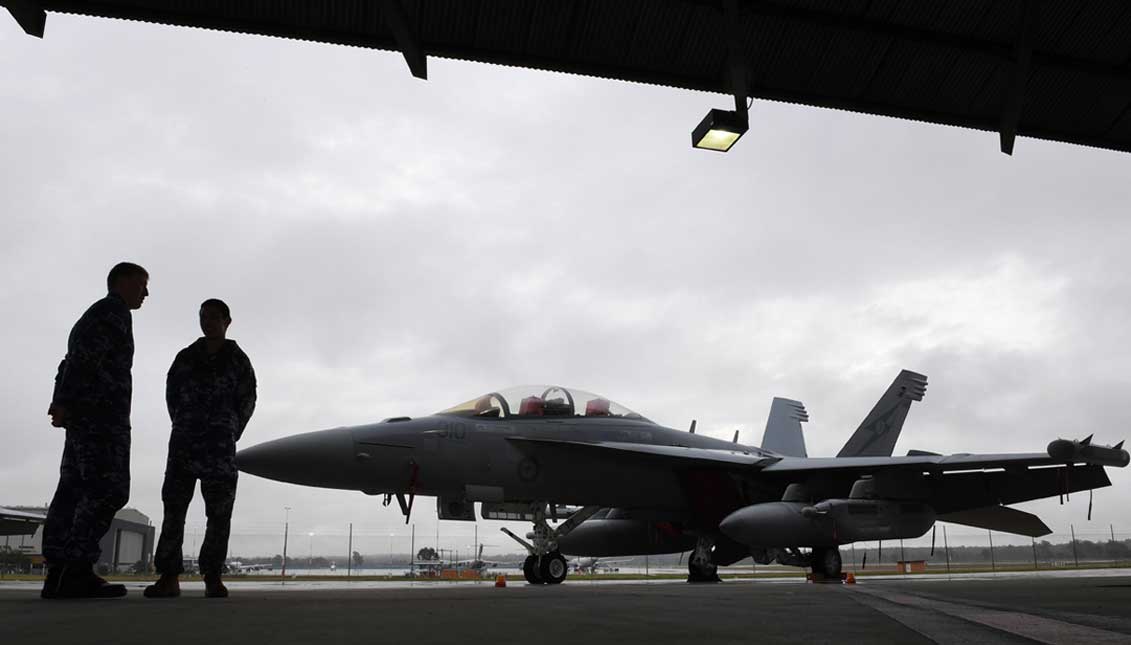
(527, 453)
(479, 564)
(593, 565)
(615, 532)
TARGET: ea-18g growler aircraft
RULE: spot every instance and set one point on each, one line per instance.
(597, 479)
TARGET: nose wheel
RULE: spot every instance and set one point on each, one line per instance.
(545, 564)
(530, 570)
(553, 569)
(549, 569)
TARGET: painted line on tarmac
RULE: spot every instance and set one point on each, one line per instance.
(937, 627)
(1037, 628)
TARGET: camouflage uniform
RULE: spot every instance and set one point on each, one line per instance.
(211, 398)
(94, 386)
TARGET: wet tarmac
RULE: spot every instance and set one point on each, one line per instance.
(1092, 607)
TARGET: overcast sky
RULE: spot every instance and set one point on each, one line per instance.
(391, 246)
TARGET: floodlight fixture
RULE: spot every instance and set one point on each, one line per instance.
(720, 129)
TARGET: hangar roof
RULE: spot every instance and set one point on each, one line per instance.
(17, 522)
(1053, 69)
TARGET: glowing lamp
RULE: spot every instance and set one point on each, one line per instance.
(719, 130)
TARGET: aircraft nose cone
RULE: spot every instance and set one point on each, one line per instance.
(325, 458)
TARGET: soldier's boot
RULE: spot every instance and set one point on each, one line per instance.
(167, 586)
(51, 582)
(77, 580)
(213, 587)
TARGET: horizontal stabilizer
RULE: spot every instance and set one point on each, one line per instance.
(999, 518)
(783, 428)
(877, 435)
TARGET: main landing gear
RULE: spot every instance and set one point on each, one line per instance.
(826, 564)
(700, 568)
(545, 564)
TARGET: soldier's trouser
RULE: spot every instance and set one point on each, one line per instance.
(219, 492)
(94, 484)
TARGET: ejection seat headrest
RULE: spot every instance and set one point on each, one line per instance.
(597, 408)
(532, 406)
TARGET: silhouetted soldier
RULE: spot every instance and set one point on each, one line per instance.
(92, 396)
(211, 396)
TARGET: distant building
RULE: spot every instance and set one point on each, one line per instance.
(911, 566)
(129, 540)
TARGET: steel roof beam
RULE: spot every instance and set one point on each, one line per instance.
(407, 41)
(1015, 97)
(29, 15)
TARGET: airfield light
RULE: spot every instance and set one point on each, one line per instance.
(719, 130)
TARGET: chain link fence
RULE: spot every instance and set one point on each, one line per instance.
(368, 550)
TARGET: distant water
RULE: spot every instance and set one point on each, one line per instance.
(402, 571)
(398, 571)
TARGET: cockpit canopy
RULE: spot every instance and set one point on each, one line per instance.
(533, 401)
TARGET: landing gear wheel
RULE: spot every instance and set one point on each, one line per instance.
(553, 569)
(530, 570)
(702, 572)
(827, 563)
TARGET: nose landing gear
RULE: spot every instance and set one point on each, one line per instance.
(546, 564)
(550, 569)
(530, 570)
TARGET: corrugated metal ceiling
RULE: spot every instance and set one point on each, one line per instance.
(946, 61)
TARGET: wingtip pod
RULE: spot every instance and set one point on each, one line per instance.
(1086, 451)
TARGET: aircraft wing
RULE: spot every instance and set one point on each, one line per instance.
(749, 460)
(962, 482)
(929, 463)
(999, 518)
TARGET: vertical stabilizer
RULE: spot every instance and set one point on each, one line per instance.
(877, 435)
(783, 428)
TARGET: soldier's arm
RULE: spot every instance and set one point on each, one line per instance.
(95, 335)
(57, 410)
(173, 383)
(246, 395)
(169, 387)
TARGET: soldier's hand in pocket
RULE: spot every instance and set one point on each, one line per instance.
(58, 415)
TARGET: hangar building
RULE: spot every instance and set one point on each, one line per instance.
(129, 541)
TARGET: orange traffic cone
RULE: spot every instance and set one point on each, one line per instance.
(850, 579)
(500, 581)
